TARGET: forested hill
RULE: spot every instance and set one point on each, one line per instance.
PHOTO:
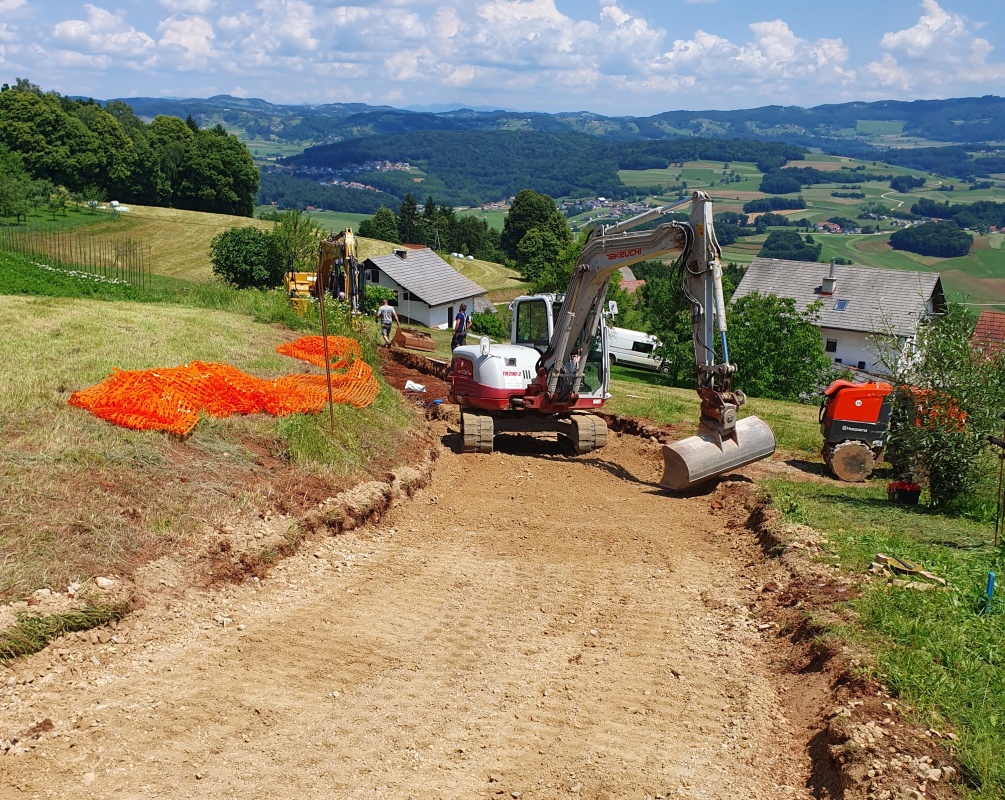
(100, 152)
(965, 121)
(474, 167)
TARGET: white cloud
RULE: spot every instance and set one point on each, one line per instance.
(935, 28)
(941, 52)
(775, 62)
(7, 35)
(6, 6)
(186, 42)
(188, 6)
(102, 32)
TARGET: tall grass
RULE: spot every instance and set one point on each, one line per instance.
(936, 649)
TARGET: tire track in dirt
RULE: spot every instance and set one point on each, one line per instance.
(527, 623)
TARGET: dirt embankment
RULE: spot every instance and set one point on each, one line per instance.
(526, 624)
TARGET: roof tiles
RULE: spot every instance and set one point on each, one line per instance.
(427, 276)
(875, 300)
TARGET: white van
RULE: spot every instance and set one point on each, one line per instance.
(635, 349)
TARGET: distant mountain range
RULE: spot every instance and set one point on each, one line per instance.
(847, 128)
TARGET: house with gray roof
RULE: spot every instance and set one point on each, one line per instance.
(428, 289)
(861, 306)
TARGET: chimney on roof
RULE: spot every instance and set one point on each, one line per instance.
(827, 287)
(401, 253)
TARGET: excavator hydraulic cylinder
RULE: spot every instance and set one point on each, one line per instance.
(706, 455)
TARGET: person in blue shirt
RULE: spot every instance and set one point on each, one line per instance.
(461, 324)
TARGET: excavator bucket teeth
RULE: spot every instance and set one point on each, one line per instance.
(703, 457)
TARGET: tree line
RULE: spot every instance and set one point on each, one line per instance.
(289, 191)
(436, 226)
(107, 152)
(475, 167)
(980, 215)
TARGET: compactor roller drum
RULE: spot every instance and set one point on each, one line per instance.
(850, 461)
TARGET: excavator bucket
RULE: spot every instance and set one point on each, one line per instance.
(412, 339)
(705, 456)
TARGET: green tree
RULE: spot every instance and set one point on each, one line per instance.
(532, 210)
(537, 252)
(15, 186)
(669, 319)
(409, 223)
(216, 175)
(247, 258)
(54, 145)
(778, 351)
(169, 139)
(947, 400)
(789, 245)
(382, 226)
(57, 201)
(297, 236)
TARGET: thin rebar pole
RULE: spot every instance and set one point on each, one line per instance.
(324, 338)
(1000, 507)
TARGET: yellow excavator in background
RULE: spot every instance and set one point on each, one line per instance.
(337, 272)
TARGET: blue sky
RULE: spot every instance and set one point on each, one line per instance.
(612, 57)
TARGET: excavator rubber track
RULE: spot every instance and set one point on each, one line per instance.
(477, 432)
(590, 433)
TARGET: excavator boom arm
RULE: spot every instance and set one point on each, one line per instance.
(602, 256)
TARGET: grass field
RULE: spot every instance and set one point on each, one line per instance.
(493, 216)
(264, 151)
(176, 242)
(86, 497)
(335, 221)
(637, 393)
(500, 282)
(935, 649)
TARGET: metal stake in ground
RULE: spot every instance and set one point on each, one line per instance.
(1000, 507)
(328, 361)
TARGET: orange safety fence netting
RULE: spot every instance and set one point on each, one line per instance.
(170, 399)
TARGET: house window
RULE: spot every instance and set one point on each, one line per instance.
(841, 305)
(373, 275)
(838, 361)
(861, 365)
(831, 346)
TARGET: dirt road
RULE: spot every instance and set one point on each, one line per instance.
(528, 625)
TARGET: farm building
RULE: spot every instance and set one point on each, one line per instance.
(429, 291)
(861, 305)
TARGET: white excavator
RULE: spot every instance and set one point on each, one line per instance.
(554, 371)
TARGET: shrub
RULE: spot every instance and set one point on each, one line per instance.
(247, 258)
(946, 403)
(488, 325)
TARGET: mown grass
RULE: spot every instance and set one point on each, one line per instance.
(32, 632)
(636, 393)
(176, 242)
(491, 276)
(935, 649)
(85, 497)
